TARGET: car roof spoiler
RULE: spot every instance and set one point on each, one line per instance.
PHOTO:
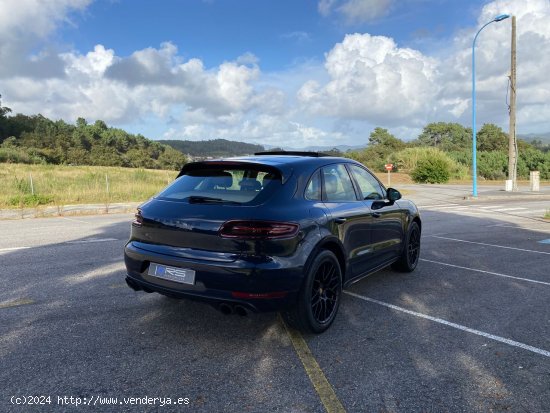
(282, 169)
(293, 153)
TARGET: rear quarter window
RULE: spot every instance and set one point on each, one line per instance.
(313, 188)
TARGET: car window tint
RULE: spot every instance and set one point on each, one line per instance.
(313, 189)
(223, 184)
(338, 186)
(368, 184)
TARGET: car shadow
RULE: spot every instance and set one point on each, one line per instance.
(86, 332)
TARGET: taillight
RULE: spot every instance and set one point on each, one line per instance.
(258, 229)
(138, 219)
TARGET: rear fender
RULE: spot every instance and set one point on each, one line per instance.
(330, 243)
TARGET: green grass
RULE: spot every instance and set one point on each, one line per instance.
(64, 185)
(547, 214)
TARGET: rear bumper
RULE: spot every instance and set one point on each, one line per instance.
(216, 282)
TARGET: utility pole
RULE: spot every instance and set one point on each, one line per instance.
(512, 143)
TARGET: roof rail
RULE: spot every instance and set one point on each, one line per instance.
(293, 153)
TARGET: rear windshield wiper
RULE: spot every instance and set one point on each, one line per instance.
(209, 200)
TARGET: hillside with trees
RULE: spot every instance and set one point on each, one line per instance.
(216, 148)
(441, 152)
(36, 139)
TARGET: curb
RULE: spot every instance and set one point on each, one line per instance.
(68, 210)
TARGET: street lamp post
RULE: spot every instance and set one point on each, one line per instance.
(474, 138)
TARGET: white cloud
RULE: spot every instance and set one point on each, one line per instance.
(92, 65)
(363, 82)
(44, 14)
(101, 85)
(23, 24)
(493, 67)
(373, 80)
(355, 11)
(262, 129)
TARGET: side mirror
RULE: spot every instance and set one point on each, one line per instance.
(393, 194)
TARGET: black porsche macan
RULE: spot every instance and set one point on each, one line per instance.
(271, 232)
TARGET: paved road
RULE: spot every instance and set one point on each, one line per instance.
(469, 330)
(491, 201)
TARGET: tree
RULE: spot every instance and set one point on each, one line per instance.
(492, 138)
(538, 144)
(381, 136)
(445, 136)
(100, 125)
(492, 164)
(171, 158)
(37, 139)
(3, 109)
(382, 148)
(81, 123)
(3, 120)
(333, 152)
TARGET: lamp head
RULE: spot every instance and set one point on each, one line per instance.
(501, 17)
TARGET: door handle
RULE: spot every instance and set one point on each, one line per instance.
(376, 214)
(340, 220)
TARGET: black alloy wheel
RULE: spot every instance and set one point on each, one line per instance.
(408, 260)
(325, 292)
(413, 247)
(320, 296)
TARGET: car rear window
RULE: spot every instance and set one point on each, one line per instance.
(234, 185)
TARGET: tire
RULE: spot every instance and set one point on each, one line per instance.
(408, 260)
(320, 296)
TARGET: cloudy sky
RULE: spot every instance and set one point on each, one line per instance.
(286, 72)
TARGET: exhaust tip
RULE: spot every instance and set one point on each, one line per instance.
(240, 310)
(226, 309)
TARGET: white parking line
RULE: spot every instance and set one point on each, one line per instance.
(487, 272)
(509, 209)
(89, 240)
(452, 207)
(489, 245)
(513, 343)
(491, 206)
(13, 249)
(76, 220)
(435, 206)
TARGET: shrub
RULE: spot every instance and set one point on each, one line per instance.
(29, 200)
(431, 170)
(462, 157)
(533, 160)
(371, 157)
(492, 164)
(409, 159)
(19, 155)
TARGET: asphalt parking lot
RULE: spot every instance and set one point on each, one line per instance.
(468, 331)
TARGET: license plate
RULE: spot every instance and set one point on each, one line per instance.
(179, 275)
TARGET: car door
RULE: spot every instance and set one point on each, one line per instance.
(387, 217)
(349, 217)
